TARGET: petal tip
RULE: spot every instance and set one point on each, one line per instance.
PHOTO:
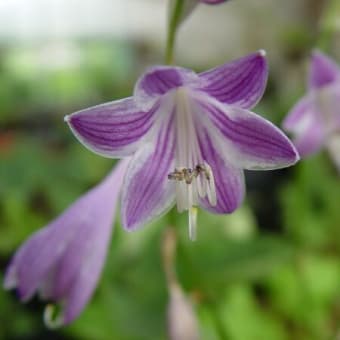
(10, 280)
(294, 156)
(297, 156)
(317, 53)
(129, 225)
(22, 293)
(262, 53)
(286, 124)
(67, 119)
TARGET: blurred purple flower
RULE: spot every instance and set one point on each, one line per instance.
(63, 261)
(191, 135)
(315, 119)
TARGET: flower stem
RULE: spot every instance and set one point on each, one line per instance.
(174, 21)
(328, 24)
(168, 247)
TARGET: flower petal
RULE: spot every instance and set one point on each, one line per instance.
(323, 70)
(310, 137)
(147, 192)
(112, 129)
(86, 281)
(314, 118)
(241, 82)
(85, 244)
(295, 119)
(229, 180)
(251, 141)
(77, 272)
(158, 80)
(36, 258)
(91, 255)
(70, 249)
(306, 125)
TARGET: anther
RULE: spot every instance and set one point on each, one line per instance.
(188, 174)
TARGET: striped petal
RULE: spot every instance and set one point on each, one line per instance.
(240, 83)
(301, 112)
(310, 138)
(159, 80)
(229, 180)
(112, 129)
(147, 192)
(323, 70)
(251, 141)
(306, 125)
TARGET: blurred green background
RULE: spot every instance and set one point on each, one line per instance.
(269, 271)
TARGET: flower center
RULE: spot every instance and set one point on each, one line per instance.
(194, 177)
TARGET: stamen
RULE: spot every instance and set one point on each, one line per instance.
(192, 223)
(201, 187)
(53, 316)
(194, 177)
(211, 191)
(189, 184)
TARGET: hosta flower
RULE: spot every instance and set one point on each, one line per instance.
(190, 136)
(63, 261)
(315, 119)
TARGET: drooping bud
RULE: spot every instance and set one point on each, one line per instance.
(182, 322)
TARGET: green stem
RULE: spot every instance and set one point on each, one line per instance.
(327, 25)
(174, 22)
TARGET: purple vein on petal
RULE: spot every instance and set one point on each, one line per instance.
(160, 81)
(155, 167)
(109, 130)
(149, 181)
(229, 195)
(243, 134)
(240, 83)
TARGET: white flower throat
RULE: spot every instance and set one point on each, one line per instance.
(194, 177)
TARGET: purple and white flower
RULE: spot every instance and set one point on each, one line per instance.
(315, 119)
(63, 261)
(190, 137)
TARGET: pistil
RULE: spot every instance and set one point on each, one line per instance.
(194, 177)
